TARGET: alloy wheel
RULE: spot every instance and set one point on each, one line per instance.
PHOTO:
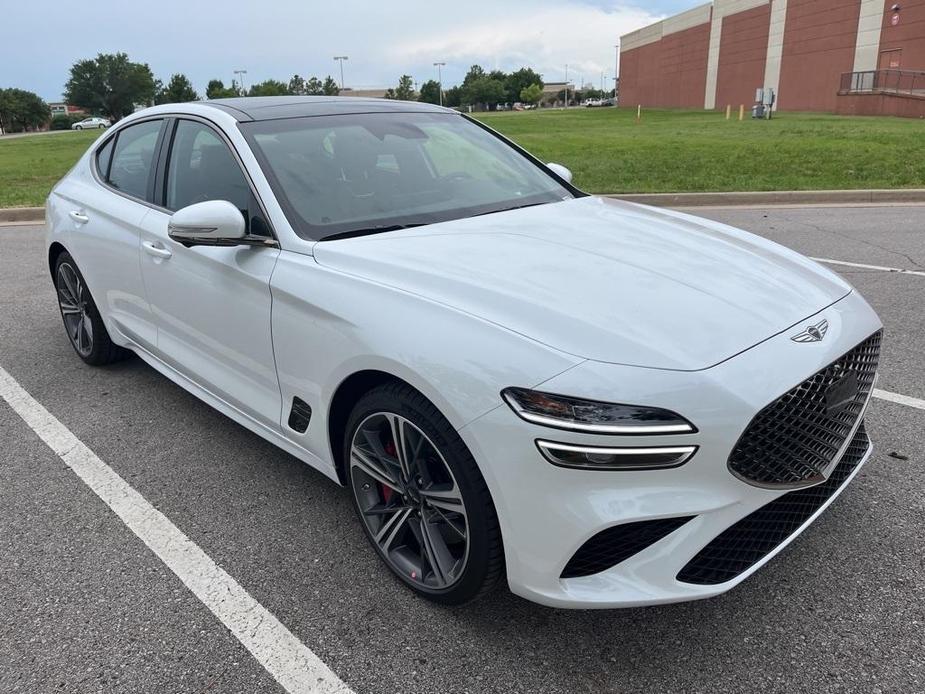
(410, 501)
(73, 299)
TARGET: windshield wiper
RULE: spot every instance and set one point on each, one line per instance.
(508, 209)
(368, 231)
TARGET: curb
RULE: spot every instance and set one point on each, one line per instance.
(36, 215)
(23, 215)
(783, 197)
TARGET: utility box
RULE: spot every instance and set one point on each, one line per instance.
(764, 103)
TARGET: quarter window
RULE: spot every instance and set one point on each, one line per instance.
(103, 157)
(133, 158)
(202, 168)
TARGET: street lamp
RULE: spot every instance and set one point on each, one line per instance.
(440, 80)
(239, 73)
(566, 85)
(341, 59)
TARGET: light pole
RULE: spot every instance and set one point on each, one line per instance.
(616, 71)
(341, 59)
(440, 80)
(239, 73)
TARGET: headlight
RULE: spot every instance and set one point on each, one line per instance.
(600, 458)
(592, 416)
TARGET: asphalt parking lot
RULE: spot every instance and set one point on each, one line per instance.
(86, 606)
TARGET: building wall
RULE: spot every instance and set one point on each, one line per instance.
(742, 55)
(908, 35)
(819, 45)
(880, 105)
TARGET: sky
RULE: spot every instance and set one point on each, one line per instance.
(206, 39)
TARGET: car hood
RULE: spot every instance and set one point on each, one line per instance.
(602, 279)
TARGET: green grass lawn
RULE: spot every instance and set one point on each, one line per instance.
(674, 151)
(669, 151)
(30, 166)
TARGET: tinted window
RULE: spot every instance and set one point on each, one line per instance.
(133, 158)
(203, 168)
(103, 157)
(347, 173)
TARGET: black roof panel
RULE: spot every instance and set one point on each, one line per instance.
(271, 107)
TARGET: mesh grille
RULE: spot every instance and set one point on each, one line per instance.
(611, 546)
(746, 542)
(795, 438)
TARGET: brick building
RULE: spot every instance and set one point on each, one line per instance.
(846, 56)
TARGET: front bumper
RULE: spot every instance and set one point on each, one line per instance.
(547, 513)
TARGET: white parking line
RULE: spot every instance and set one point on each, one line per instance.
(869, 267)
(288, 660)
(901, 399)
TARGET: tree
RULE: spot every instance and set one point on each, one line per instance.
(531, 94)
(178, 90)
(517, 81)
(476, 72)
(389, 94)
(485, 91)
(330, 88)
(21, 110)
(430, 92)
(269, 88)
(452, 97)
(297, 86)
(314, 87)
(405, 89)
(110, 84)
(217, 90)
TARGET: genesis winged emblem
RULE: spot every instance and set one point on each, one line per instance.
(813, 333)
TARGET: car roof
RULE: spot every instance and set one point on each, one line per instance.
(256, 108)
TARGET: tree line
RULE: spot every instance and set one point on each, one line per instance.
(113, 86)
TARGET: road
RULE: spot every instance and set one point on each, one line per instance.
(86, 606)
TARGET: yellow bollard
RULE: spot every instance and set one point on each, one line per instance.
(742, 112)
(638, 113)
(728, 111)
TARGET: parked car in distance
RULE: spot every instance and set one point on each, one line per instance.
(91, 123)
(601, 403)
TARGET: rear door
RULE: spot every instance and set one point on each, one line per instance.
(212, 305)
(100, 211)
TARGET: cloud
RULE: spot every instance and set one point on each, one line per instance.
(545, 37)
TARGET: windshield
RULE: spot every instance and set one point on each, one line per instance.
(362, 173)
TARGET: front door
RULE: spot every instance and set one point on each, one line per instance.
(212, 305)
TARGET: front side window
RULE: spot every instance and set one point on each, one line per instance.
(201, 168)
(358, 173)
(132, 162)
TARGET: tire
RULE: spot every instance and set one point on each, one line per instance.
(82, 321)
(431, 515)
(78, 127)
(100, 126)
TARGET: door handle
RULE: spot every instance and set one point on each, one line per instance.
(156, 250)
(78, 216)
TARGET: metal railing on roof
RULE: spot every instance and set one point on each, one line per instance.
(900, 82)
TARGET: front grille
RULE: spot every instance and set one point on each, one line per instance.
(745, 543)
(613, 545)
(795, 438)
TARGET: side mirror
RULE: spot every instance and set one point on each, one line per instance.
(211, 223)
(560, 171)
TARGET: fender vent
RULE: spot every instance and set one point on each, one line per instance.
(300, 415)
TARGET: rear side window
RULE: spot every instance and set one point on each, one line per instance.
(132, 162)
(103, 157)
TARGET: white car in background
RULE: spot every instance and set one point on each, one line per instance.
(606, 404)
(92, 123)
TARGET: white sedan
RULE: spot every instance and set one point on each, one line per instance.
(601, 403)
(92, 123)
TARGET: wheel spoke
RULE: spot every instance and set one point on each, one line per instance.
(396, 424)
(437, 553)
(446, 517)
(390, 529)
(360, 459)
(448, 499)
(67, 285)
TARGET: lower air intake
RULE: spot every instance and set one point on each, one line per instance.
(613, 545)
(747, 542)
